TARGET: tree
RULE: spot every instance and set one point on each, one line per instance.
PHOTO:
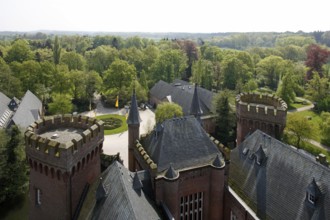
(269, 70)
(119, 74)
(325, 128)
(13, 176)
(299, 126)
(93, 84)
(9, 84)
(167, 110)
(20, 51)
(316, 57)
(190, 48)
(77, 81)
(29, 73)
(61, 104)
(202, 73)
(317, 87)
(170, 65)
(74, 61)
(57, 51)
(286, 88)
(101, 58)
(225, 118)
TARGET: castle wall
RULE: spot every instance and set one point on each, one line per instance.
(205, 182)
(73, 164)
(263, 112)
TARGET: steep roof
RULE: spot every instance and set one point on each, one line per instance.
(275, 178)
(182, 92)
(119, 198)
(181, 142)
(133, 115)
(195, 108)
(28, 110)
(5, 112)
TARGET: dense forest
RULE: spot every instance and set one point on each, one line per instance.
(65, 70)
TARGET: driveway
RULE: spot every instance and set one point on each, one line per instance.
(119, 142)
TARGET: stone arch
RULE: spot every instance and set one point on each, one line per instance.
(52, 172)
(83, 163)
(40, 167)
(73, 170)
(58, 174)
(31, 163)
(35, 165)
(46, 170)
(88, 156)
(78, 166)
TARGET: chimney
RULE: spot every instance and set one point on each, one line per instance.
(322, 159)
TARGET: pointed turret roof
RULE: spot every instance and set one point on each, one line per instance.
(171, 173)
(195, 108)
(137, 184)
(133, 115)
(217, 162)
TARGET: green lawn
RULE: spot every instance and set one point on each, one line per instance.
(315, 122)
(298, 104)
(121, 129)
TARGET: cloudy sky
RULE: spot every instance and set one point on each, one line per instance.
(202, 16)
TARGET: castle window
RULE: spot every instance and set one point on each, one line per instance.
(191, 207)
(38, 197)
(232, 215)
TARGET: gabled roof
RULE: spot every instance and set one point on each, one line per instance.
(121, 200)
(276, 186)
(28, 110)
(181, 93)
(133, 115)
(181, 142)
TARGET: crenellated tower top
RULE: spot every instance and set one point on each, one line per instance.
(61, 141)
(260, 111)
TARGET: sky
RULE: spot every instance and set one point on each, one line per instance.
(194, 16)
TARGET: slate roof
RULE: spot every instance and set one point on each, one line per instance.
(5, 112)
(276, 187)
(181, 93)
(133, 115)
(28, 110)
(181, 142)
(117, 198)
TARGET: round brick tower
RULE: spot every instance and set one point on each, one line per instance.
(64, 157)
(260, 111)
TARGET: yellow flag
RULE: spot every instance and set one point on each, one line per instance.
(117, 104)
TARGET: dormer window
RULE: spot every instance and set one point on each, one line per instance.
(245, 151)
(313, 193)
(311, 198)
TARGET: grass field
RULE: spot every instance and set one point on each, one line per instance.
(121, 129)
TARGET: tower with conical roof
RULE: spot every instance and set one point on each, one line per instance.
(133, 121)
(195, 108)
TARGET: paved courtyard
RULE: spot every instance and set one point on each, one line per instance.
(119, 142)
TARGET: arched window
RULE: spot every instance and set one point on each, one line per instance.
(58, 174)
(40, 167)
(52, 172)
(78, 166)
(46, 170)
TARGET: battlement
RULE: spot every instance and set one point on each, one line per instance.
(146, 157)
(63, 138)
(263, 106)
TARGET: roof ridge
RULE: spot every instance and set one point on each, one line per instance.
(124, 186)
